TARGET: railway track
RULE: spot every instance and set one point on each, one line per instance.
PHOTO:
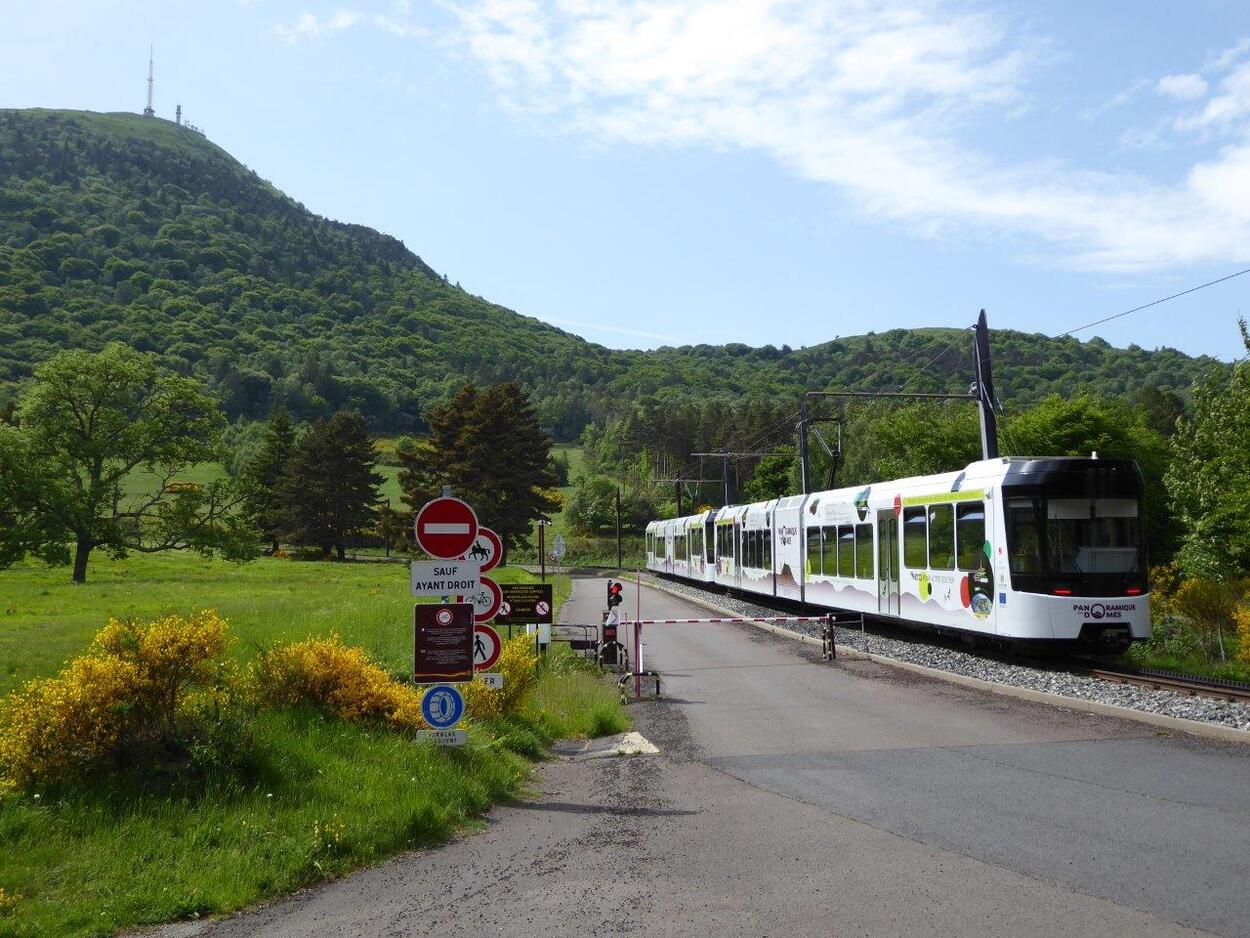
(1158, 679)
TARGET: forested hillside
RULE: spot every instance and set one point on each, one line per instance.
(119, 227)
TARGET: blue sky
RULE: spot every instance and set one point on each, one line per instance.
(647, 173)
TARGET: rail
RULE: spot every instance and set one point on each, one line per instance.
(1175, 681)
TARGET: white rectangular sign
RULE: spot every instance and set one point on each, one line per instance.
(444, 737)
(491, 680)
(445, 577)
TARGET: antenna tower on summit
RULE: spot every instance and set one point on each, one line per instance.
(147, 111)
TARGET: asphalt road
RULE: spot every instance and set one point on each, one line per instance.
(798, 798)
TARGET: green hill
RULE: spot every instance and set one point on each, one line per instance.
(120, 227)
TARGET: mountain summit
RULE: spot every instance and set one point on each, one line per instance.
(122, 227)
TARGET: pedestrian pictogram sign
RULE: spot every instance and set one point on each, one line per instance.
(486, 647)
(485, 599)
(446, 528)
(487, 550)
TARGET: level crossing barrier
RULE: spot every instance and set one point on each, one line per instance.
(828, 635)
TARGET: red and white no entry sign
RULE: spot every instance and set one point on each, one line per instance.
(487, 549)
(446, 528)
(486, 647)
(486, 600)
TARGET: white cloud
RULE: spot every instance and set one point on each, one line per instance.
(311, 26)
(883, 99)
(398, 21)
(1182, 87)
(1229, 105)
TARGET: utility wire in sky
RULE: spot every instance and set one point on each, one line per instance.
(1137, 309)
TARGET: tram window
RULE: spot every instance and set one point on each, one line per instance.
(829, 551)
(766, 539)
(813, 550)
(1023, 540)
(679, 547)
(970, 534)
(696, 543)
(846, 551)
(915, 546)
(863, 551)
(941, 537)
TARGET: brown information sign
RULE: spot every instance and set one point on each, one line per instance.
(443, 644)
(525, 604)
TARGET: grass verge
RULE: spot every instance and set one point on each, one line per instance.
(317, 797)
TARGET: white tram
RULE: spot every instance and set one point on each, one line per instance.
(1019, 549)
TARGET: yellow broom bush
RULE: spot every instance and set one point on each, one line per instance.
(1242, 618)
(518, 663)
(336, 678)
(125, 693)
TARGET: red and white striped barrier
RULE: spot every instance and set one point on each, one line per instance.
(732, 619)
(728, 620)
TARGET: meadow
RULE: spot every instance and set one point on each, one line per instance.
(319, 796)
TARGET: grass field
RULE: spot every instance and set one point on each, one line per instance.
(45, 619)
(321, 797)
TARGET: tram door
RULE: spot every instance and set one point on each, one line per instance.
(887, 562)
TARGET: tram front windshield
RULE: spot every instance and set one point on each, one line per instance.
(1074, 539)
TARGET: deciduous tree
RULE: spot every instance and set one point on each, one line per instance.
(87, 424)
(1209, 479)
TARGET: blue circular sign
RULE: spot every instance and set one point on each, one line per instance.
(442, 707)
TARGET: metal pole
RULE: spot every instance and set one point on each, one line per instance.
(542, 554)
(678, 497)
(618, 527)
(725, 475)
(985, 389)
(637, 660)
(803, 445)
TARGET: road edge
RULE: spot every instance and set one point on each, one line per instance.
(1192, 727)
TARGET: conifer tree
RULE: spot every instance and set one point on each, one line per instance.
(487, 445)
(330, 487)
(262, 477)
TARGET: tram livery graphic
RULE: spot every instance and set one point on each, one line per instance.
(1022, 550)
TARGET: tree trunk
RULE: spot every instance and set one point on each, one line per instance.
(81, 552)
(503, 554)
(341, 549)
(275, 548)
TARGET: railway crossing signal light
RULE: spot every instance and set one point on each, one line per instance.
(614, 594)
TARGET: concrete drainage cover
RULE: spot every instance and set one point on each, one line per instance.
(607, 747)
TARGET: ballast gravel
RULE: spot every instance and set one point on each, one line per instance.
(1163, 702)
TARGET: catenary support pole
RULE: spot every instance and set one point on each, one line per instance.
(618, 527)
(803, 468)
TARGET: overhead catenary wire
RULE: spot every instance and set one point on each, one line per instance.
(1138, 309)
